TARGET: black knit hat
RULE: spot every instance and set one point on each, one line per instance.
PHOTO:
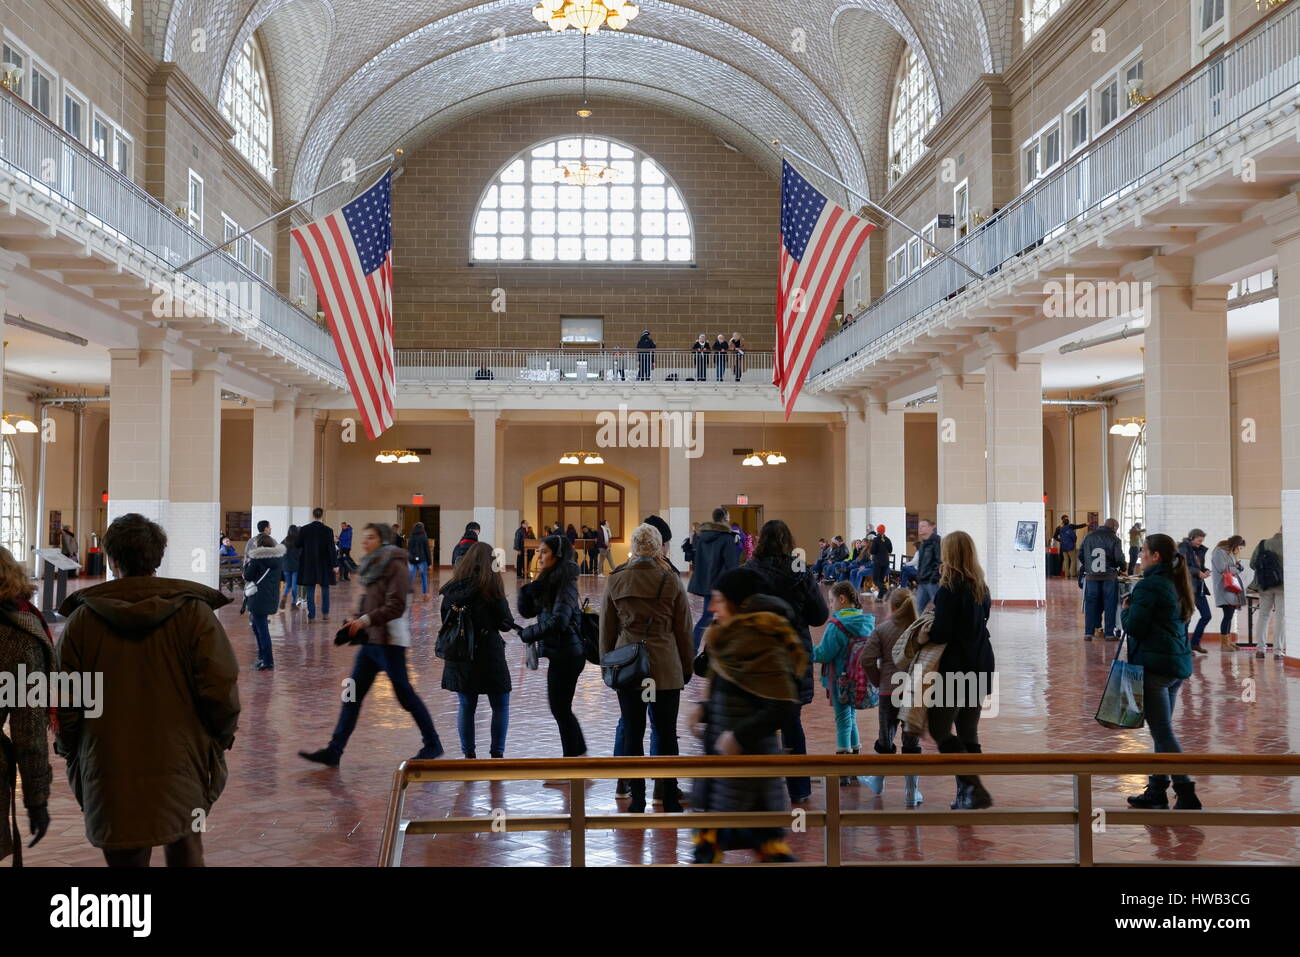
(739, 584)
(661, 527)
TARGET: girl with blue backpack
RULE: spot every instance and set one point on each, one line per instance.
(848, 624)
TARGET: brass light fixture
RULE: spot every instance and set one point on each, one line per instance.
(1262, 5)
(579, 172)
(399, 456)
(1135, 95)
(587, 16)
(762, 457)
(582, 456)
(11, 76)
(19, 423)
(1130, 428)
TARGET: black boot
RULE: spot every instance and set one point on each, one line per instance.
(672, 800)
(623, 789)
(1155, 797)
(1187, 799)
(977, 796)
(963, 795)
(637, 804)
(324, 756)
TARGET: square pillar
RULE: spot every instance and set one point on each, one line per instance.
(962, 434)
(675, 489)
(886, 498)
(140, 423)
(1188, 403)
(1013, 389)
(856, 460)
(304, 477)
(194, 516)
(485, 472)
(273, 464)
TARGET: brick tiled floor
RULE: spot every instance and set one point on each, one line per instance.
(279, 811)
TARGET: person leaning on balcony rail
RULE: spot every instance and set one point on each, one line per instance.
(737, 347)
(1155, 619)
(720, 356)
(754, 662)
(701, 349)
(645, 356)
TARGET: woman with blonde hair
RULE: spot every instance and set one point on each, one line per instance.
(24, 643)
(961, 614)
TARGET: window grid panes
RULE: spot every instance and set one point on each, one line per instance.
(13, 532)
(914, 111)
(525, 215)
(247, 104)
(578, 501)
(1134, 502)
(1037, 13)
(120, 9)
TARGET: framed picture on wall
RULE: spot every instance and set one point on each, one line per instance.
(1026, 536)
(56, 529)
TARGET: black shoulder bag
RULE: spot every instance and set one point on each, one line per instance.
(589, 631)
(629, 665)
(456, 638)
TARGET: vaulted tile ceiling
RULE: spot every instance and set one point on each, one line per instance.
(353, 79)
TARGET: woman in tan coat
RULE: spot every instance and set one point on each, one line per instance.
(645, 602)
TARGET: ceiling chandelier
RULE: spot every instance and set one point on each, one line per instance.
(579, 172)
(581, 457)
(400, 456)
(1131, 428)
(759, 458)
(21, 423)
(585, 15)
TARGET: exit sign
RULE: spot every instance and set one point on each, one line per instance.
(417, 499)
(742, 499)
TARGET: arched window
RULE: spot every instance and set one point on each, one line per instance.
(1133, 504)
(580, 500)
(247, 104)
(1037, 13)
(121, 9)
(13, 530)
(530, 213)
(914, 110)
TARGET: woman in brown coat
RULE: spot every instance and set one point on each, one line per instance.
(24, 644)
(384, 616)
(645, 602)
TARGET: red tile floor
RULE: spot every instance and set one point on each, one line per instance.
(279, 810)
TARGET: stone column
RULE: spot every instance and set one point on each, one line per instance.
(140, 424)
(1188, 434)
(273, 464)
(963, 465)
(1013, 390)
(304, 479)
(675, 467)
(856, 478)
(886, 499)
(194, 517)
(485, 472)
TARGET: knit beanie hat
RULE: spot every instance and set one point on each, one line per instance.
(661, 526)
(739, 584)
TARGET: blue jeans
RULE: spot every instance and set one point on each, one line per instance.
(262, 633)
(372, 659)
(421, 568)
(1202, 609)
(291, 585)
(925, 592)
(846, 725)
(858, 576)
(1160, 694)
(500, 722)
(311, 600)
(1100, 598)
(618, 736)
(702, 625)
(907, 576)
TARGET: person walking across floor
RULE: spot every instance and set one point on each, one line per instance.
(1266, 562)
(521, 538)
(928, 551)
(1066, 537)
(961, 614)
(785, 579)
(846, 623)
(263, 570)
(152, 763)
(316, 566)
(645, 602)
(1135, 536)
(290, 566)
(881, 551)
(604, 543)
(1225, 572)
(879, 660)
(1102, 555)
(754, 662)
(24, 751)
(417, 547)
(383, 615)
(716, 552)
(553, 600)
(466, 540)
(1193, 551)
(475, 587)
(346, 564)
(1156, 616)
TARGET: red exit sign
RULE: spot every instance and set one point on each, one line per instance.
(742, 499)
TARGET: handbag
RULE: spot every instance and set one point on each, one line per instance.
(456, 637)
(250, 588)
(589, 631)
(630, 665)
(1122, 706)
(1230, 582)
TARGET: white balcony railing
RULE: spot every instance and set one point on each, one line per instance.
(680, 368)
(50, 161)
(1258, 68)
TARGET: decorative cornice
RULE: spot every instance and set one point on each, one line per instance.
(990, 92)
(93, 16)
(174, 86)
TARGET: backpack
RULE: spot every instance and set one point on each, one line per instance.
(1268, 570)
(456, 638)
(851, 685)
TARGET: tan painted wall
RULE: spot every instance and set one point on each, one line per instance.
(920, 443)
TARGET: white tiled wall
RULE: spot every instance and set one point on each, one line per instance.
(192, 542)
(1013, 575)
(1176, 515)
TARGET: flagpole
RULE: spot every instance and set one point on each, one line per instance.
(395, 155)
(867, 201)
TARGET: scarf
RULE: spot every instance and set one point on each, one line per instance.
(372, 566)
(760, 653)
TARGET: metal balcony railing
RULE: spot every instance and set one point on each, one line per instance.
(678, 367)
(1079, 816)
(50, 161)
(1260, 66)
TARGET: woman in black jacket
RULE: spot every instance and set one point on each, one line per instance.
(417, 546)
(477, 588)
(553, 600)
(785, 578)
(292, 556)
(264, 568)
(961, 614)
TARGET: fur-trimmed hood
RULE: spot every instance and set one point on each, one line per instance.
(277, 551)
(759, 652)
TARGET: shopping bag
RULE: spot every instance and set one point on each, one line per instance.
(1121, 704)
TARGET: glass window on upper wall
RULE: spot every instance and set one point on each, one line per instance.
(75, 112)
(912, 113)
(41, 90)
(122, 10)
(246, 103)
(1209, 27)
(1036, 15)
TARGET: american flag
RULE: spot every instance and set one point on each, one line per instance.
(350, 255)
(819, 244)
